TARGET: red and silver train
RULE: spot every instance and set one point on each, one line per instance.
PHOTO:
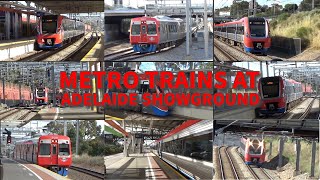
(278, 94)
(55, 30)
(150, 34)
(253, 150)
(49, 151)
(250, 33)
(41, 94)
(143, 87)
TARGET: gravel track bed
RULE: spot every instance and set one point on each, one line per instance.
(239, 53)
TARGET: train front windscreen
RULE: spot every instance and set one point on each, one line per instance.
(40, 92)
(49, 24)
(135, 29)
(270, 87)
(255, 147)
(257, 28)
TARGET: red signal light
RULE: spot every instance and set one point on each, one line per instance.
(8, 139)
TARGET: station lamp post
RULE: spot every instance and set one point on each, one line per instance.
(188, 27)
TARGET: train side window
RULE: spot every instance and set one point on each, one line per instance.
(54, 149)
(44, 149)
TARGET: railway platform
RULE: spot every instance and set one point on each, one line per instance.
(68, 113)
(235, 113)
(96, 52)
(18, 47)
(23, 170)
(141, 166)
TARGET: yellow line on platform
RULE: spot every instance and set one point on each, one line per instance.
(107, 117)
(91, 50)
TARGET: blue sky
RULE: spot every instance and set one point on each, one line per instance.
(221, 3)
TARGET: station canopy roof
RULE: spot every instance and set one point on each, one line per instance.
(159, 125)
(64, 7)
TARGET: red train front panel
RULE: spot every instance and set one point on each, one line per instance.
(256, 35)
(253, 34)
(253, 151)
(272, 95)
(41, 95)
(144, 34)
(55, 153)
(278, 94)
(51, 34)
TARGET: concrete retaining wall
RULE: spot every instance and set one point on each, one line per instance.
(291, 46)
(11, 52)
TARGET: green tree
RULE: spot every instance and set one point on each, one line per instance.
(306, 5)
(240, 8)
(88, 131)
(291, 8)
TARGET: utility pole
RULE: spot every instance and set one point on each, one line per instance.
(54, 86)
(64, 127)
(206, 37)
(77, 138)
(312, 4)
(254, 8)
(188, 26)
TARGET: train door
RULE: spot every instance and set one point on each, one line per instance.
(54, 154)
(144, 37)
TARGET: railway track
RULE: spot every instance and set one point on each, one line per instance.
(6, 114)
(226, 54)
(43, 54)
(25, 115)
(256, 172)
(305, 114)
(9, 113)
(227, 168)
(279, 117)
(240, 51)
(84, 48)
(89, 172)
(129, 54)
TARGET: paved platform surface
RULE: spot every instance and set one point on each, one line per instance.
(16, 42)
(68, 113)
(96, 53)
(139, 166)
(13, 169)
(237, 113)
(198, 168)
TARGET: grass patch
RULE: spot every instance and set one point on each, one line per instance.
(88, 160)
(289, 152)
(304, 25)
